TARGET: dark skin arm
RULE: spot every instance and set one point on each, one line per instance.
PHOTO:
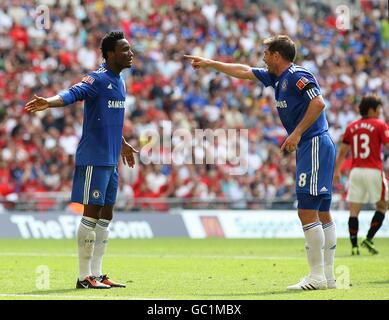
(127, 153)
(40, 103)
(315, 107)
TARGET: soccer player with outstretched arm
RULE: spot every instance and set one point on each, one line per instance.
(367, 182)
(301, 110)
(95, 181)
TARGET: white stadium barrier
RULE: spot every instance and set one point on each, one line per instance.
(185, 223)
(264, 223)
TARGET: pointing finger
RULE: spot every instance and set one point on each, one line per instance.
(188, 56)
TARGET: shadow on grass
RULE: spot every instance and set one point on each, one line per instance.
(350, 256)
(253, 294)
(62, 291)
(380, 282)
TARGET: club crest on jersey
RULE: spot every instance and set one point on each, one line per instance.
(284, 85)
(96, 194)
(88, 79)
(302, 82)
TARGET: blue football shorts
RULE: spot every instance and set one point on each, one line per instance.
(96, 185)
(315, 163)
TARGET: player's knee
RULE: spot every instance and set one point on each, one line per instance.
(325, 217)
(107, 212)
(308, 216)
(92, 210)
(382, 206)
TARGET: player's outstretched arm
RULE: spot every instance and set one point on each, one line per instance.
(239, 71)
(40, 103)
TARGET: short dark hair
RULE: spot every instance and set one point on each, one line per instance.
(370, 101)
(108, 42)
(283, 45)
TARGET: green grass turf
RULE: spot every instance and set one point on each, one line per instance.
(178, 268)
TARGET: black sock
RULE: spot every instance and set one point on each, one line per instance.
(375, 224)
(353, 225)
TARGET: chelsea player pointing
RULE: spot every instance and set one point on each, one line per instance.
(301, 110)
(95, 182)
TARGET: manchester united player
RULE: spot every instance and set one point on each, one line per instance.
(367, 184)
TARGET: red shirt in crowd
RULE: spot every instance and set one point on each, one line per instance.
(19, 34)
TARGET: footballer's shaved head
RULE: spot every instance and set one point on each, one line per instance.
(108, 43)
(116, 51)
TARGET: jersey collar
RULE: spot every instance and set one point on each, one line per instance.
(285, 72)
(109, 71)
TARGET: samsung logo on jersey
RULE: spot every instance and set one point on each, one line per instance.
(281, 104)
(115, 104)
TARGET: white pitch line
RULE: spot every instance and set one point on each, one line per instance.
(36, 254)
(21, 295)
(150, 256)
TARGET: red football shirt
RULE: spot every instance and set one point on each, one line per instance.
(366, 137)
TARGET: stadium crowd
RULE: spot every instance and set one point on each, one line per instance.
(164, 94)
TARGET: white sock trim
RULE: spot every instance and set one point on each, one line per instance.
(327, 225)
(309, 226)
(88, 222)
(103, 223)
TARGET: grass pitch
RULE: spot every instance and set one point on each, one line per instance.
(217, 269)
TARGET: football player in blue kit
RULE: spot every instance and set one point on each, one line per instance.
(95, 181)
(301, 110)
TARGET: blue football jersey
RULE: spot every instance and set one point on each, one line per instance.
(104, 93)
(294, 89)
